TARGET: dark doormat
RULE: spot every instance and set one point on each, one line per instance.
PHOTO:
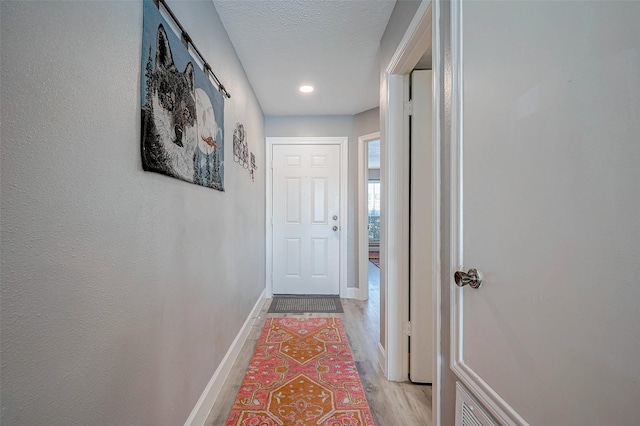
(305, 304)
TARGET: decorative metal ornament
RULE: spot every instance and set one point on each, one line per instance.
(240, 147)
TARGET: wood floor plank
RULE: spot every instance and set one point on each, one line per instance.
(392, 403)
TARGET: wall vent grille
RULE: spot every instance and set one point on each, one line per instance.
(468, 411)
(468, 417)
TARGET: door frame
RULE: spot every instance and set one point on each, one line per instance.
(343, 143)
(363, 214)
(424, 32)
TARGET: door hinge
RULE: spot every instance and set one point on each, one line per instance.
(407, 328)
(408, 108)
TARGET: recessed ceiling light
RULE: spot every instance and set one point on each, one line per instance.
(306, 89)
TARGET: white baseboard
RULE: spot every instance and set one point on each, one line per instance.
(204, 405)
(382, 359)
(352, 293)
(355, 293)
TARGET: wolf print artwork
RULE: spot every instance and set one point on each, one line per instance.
(182, 113)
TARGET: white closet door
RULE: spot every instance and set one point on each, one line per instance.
(421, 232)
(546, 169)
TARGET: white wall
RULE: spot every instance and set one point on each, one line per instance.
(351, 126)
(121, 290)
(367, 122)
(308, 125)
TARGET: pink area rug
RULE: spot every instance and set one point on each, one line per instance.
(302, 373)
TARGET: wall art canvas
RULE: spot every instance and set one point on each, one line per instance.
(182, 111)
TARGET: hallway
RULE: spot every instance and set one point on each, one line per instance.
(392, 403)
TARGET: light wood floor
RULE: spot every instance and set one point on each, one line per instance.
(392, 403)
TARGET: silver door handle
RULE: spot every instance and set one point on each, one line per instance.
(335, 228)
(473, 278)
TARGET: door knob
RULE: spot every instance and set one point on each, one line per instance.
(335, 217)
(335, 228)
(473, 278)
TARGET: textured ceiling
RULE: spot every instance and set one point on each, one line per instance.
(329, 44)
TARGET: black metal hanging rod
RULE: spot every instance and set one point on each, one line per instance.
(186, 40)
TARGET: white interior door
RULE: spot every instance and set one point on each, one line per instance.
(306, 221)
(421, 266)
(546, 164)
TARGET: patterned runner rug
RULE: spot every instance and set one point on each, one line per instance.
(302, 373)
(374, 257)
